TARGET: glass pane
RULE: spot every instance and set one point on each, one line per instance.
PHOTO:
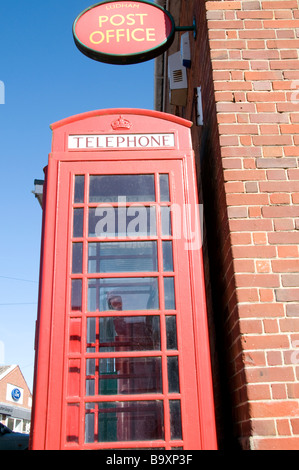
(107, 377)
(175, 419)
(76, 299)
(166, 221)
(91, 330)
(173, 374)
(133, 222)
(10, 423)
(123, 294)
(77, 258)
(78, 223)
(90, 366)
(169, 293)
(130, 375)
(90, 387)
(131, 421)
(89, 425)
(108, 422)
(171, 333)
(167, 256)
(140, 333)
(108, 188)
(18, 425)
(79, 189)
(72, 423)
(118, 257)
(164, 188)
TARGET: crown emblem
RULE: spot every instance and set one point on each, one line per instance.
(121, 123)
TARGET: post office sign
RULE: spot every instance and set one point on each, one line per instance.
(124, 32)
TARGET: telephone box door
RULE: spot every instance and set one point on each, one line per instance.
(128, 358)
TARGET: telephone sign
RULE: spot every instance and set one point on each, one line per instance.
(120, 141)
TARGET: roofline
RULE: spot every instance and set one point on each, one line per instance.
(125, 111)
(10, 369)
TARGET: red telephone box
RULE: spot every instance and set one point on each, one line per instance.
(122, 353)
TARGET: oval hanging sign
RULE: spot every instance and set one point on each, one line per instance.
(124, 32)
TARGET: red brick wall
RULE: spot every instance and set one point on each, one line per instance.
(245, 58)
(218, 261)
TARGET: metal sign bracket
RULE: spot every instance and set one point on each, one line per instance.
(188, 28)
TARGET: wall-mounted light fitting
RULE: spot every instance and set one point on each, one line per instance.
(199, 112)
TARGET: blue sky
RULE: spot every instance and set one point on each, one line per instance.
(46, 79)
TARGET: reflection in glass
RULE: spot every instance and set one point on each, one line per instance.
(164, 188)
(167, 256)
(130, 375)
(108, 188)
(111, 222)
(90, 366)
(90, 387)
(130, 421)
(78, 223)
(169, 293)
(79, 189)
(76, 297)
(173, 374)
(91, 330)
(171, 333)
(118, 257)
(175, 419)
(166, 221)
(107, 383)
(77, 262)
(140, 333)
(89, 425)
(129, 294)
